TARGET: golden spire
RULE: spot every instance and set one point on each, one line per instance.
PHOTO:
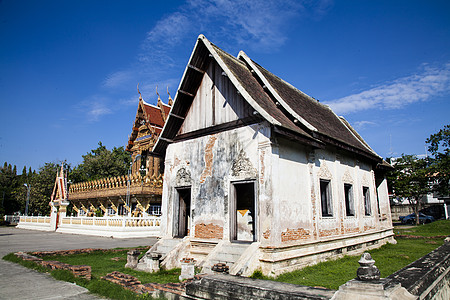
(170, 98)
(140, 96)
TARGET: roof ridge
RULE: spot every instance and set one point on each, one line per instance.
(274, 93)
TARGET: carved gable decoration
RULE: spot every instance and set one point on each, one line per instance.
(242, 167)
(324, 173)
(183, 177)
(347, 178)
(364, 180)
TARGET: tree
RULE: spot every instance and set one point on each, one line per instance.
(411, 180)
(8, 184)
(41, 189)
(101, 163)
(439, 144)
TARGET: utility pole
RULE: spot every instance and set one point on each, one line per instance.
(28, 198)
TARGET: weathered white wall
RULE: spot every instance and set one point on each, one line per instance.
(209, 161)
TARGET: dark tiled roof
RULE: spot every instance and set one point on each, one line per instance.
(153, 114)
(318, 115)
(294, 113)
(256, 91)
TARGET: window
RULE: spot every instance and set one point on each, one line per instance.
(366, 195)
(348, 194)
(325, 198)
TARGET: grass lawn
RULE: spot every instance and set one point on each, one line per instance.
(389, 258)
(103, 263)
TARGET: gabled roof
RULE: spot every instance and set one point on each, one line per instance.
(289, 110)
(153, 116)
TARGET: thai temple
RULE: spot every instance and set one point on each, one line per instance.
(240, 168)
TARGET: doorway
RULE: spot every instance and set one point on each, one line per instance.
(243, 213)
(184, 212)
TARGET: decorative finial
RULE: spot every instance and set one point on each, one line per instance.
(140, 96)
(170, 98)
(367, 270)
(159, 99)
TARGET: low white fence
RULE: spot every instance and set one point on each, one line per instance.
(32, 222)
(119, 227)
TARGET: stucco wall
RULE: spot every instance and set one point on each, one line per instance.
(208, 164)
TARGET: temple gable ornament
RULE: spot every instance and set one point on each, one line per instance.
(242, 167)
(183, 177)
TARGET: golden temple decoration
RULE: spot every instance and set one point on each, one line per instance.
(102, 207)
(84, 208)
(113, 206)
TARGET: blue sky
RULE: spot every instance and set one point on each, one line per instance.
(69, 69)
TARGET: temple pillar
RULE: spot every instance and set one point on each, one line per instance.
(53, 216)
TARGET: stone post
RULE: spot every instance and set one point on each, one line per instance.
(368, 285)
(132, 259)
(187, 269)
(153, 263)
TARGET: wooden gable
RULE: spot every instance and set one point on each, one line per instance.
(216, 102)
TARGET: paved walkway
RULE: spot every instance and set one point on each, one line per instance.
(17, 282)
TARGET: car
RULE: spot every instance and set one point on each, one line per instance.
(411, 219)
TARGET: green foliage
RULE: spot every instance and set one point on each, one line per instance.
(439, 144)
(258, 275)
(410, 179)
(102, 163)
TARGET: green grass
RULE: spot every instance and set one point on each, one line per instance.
(438, 228)
(102, 264)
(389, 259)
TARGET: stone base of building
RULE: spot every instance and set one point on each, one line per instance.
(244, 259)
(274, 261)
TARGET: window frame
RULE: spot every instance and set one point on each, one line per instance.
(366, 198)
(349, 200)
(325, 198)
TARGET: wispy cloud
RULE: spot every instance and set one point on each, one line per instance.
(95, 107)
(429, 82)
(118, 78)
(360, 125)
(260, 25)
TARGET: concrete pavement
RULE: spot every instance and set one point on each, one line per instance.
(17, 282)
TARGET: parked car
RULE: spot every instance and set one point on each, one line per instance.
(411, 219)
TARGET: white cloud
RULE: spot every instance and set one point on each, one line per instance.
(360, 125)
(431, 81)
(118, 78)
(95, 107)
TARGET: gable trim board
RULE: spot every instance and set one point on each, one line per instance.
(263, 91)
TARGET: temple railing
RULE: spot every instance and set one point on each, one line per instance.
(149, 184)
(31, 219)
(119, 221)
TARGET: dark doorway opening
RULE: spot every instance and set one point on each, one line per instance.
(184, 212)
(243, 216)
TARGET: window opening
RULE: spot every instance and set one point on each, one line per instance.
(325, 198)
(367, 210)
(348, 194)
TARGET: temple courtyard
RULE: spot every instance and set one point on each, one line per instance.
(17, 282)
